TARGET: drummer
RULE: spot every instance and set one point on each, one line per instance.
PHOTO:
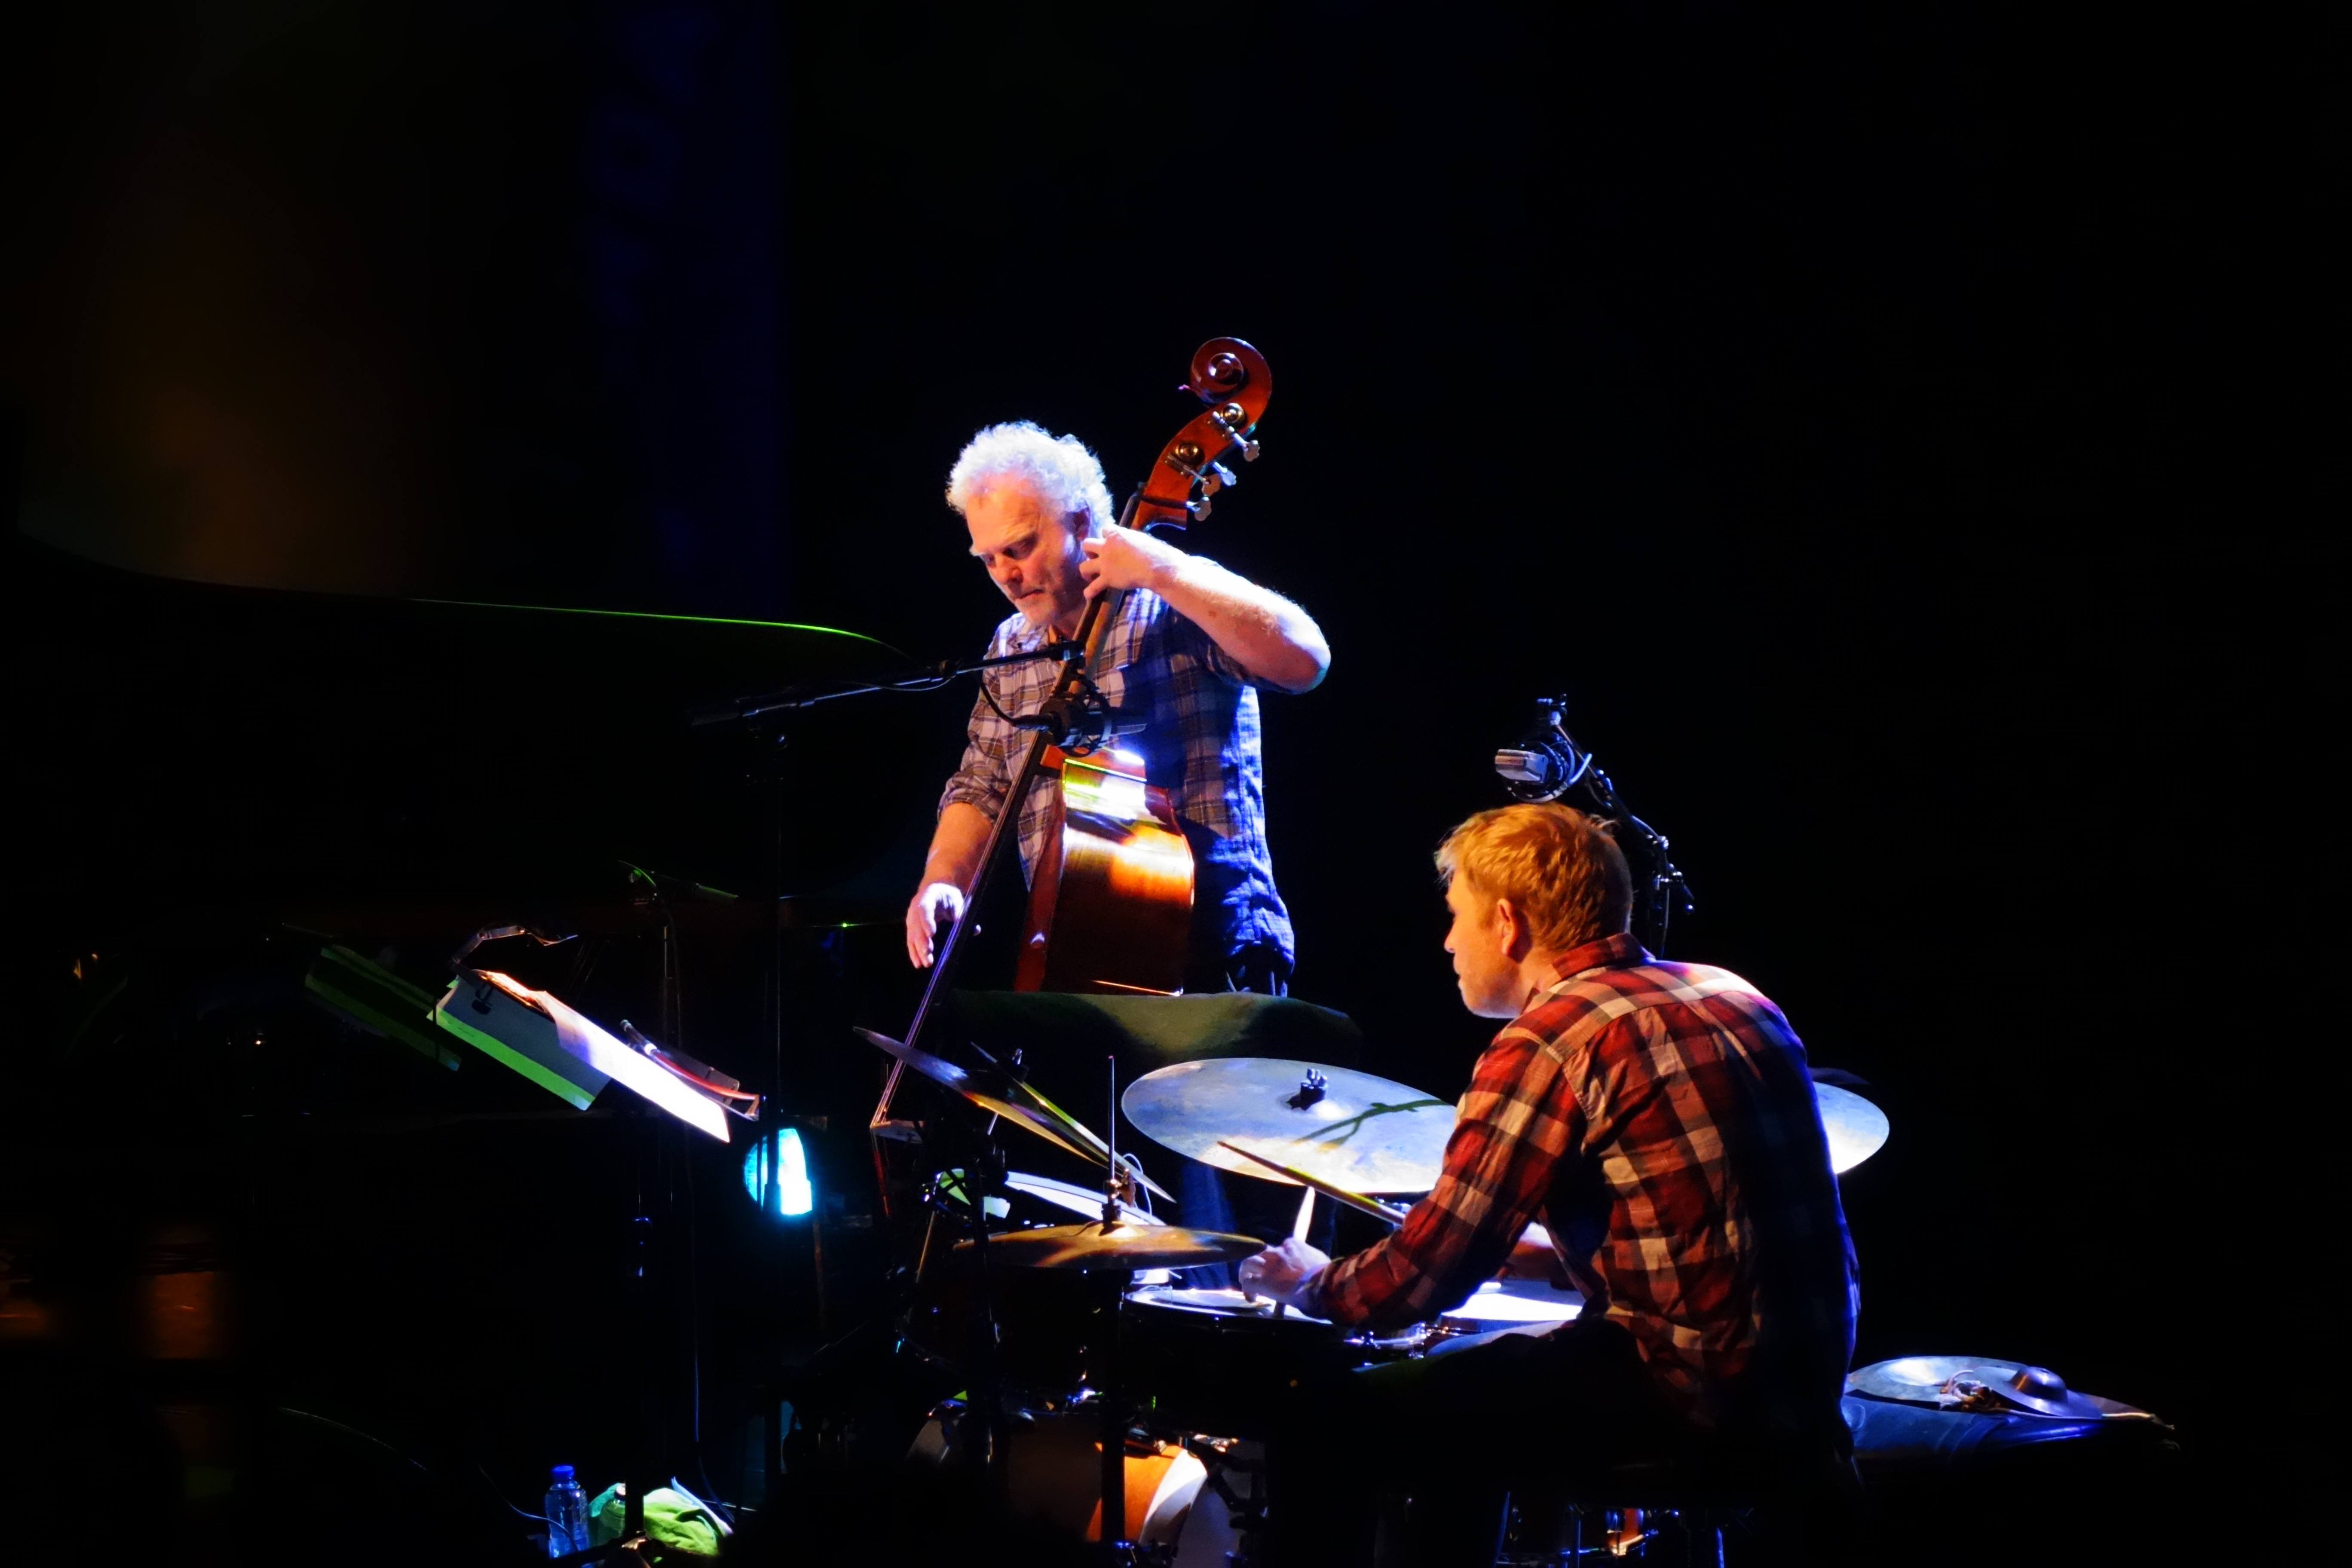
(1658, 1121)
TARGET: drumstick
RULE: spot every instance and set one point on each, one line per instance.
(1298, 1228)
(1339, 1195)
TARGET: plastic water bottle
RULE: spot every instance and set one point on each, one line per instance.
(567, 1514)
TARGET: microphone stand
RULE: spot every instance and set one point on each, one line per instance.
(912, 677)
(1546, 752)
(1669, 891)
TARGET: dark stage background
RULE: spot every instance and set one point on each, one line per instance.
(1797, 393)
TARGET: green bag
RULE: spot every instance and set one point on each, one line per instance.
(672, 1519)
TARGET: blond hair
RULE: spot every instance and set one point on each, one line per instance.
(1561, 870)
(1065, 474)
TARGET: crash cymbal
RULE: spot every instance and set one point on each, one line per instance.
(1119, 1248)
(1356, 1131)
(1047, 1119)
(1856, 1129)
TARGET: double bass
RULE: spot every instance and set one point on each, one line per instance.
(1110, 899)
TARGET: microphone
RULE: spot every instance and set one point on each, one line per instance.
(1546, 763)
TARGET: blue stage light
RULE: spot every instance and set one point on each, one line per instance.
(794, 1194)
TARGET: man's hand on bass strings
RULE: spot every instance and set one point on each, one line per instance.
(1126, 558)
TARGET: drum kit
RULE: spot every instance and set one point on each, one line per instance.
(1120, 1332)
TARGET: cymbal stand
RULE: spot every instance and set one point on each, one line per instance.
(1111, 1295)
(983, 1168)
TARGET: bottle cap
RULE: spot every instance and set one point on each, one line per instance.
(563, 1472)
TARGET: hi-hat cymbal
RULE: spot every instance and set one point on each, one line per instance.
(1117, 1248)
(1069, 1199)
(1045, 1119)
(1354, 1131)
(1856, 1129)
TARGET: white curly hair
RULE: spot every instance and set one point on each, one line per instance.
(1058, 468)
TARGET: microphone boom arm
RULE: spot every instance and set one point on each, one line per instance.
(1546, 765)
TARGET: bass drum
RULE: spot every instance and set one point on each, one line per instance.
(1053, 1476)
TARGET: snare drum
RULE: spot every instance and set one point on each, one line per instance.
(1503, 1307)
(1216, 1360)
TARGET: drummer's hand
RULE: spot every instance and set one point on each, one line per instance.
(1533, 1259)
(937, 901)
(1282, 1272)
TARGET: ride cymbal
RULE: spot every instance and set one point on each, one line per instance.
(1362, 1133)
(1856, 1129)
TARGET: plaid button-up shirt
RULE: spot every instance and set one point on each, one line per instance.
(1199, 740)
(1659, 1120)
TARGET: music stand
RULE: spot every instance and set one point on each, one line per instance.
(571, 1055)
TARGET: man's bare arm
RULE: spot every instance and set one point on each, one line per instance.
(956, 846)
(1267, 635)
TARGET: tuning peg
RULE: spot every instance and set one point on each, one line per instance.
(1218, 477)
(1233, 420)
(1197, 509)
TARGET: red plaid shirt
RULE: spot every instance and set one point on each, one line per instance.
(1659, 1120)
